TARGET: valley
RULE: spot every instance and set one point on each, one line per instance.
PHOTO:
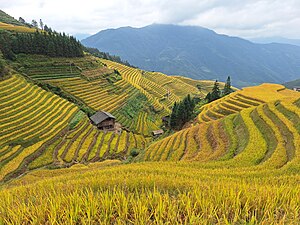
(235, 161)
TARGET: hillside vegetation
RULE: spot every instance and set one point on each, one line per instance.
(5, 18)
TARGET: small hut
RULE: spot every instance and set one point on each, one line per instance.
(157, 133)
(296, 89)
(103, 120)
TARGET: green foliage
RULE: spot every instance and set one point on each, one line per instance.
(76, 119)
(24, 143)
(6, 43)
(215, 94)
(51, 44)
(5, 18)
(182, 112)
(134, 105)
(227, 88)
(134, 152)
(3, 69)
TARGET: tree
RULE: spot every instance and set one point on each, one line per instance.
(41, 24)
(34, 23)
(182, 112)
(21, 20)
(227, 88)
(208, 97)
(47, 29)
(3, 69)
(174, 116)
(215, 94)
(6, 44)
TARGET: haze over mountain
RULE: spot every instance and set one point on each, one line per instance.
(282, 40)
(200, 53)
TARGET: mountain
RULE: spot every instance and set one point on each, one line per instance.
(281, 40)
(292, 84)
(200, 53)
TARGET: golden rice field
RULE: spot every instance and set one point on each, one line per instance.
(35, 132)
(11, 27)
(238, 164)
(152, 193)
(266, 134)
(93, 83)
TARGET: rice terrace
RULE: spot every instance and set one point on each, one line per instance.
(87, 137)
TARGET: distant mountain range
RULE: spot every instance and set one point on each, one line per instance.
(281, 40)
(200, 53)
(292, 84)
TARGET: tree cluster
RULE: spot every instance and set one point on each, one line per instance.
(106, 55)
(182, 112)
(3, 69)
(45, 43)
(216, 93)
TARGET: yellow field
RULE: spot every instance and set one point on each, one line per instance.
(266, 134)
(239, 164)
(152, 193)
(21, 29)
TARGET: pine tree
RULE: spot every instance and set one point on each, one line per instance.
(41, 24)
(182, 112)
(34, 23)
(227, 88)
(215, 94)
(208, 97)
(174, 116)
(2, 65)
(21, 20)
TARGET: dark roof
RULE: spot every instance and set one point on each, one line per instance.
(100, 116)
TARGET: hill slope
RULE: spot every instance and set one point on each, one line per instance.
(225, 161)
(261, 126)
(200, 53)
(40, 129)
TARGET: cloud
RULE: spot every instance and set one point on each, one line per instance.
(247, 18)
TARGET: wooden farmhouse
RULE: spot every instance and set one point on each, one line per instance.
(103, 120)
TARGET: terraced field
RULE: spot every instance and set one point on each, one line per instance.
(102, 89)
(35, 131)
(237, 101)
(29, 117)
(239, 168)
(266, 135)
(86, 144)
(161, 90)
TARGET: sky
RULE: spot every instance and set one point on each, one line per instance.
(243, 18)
